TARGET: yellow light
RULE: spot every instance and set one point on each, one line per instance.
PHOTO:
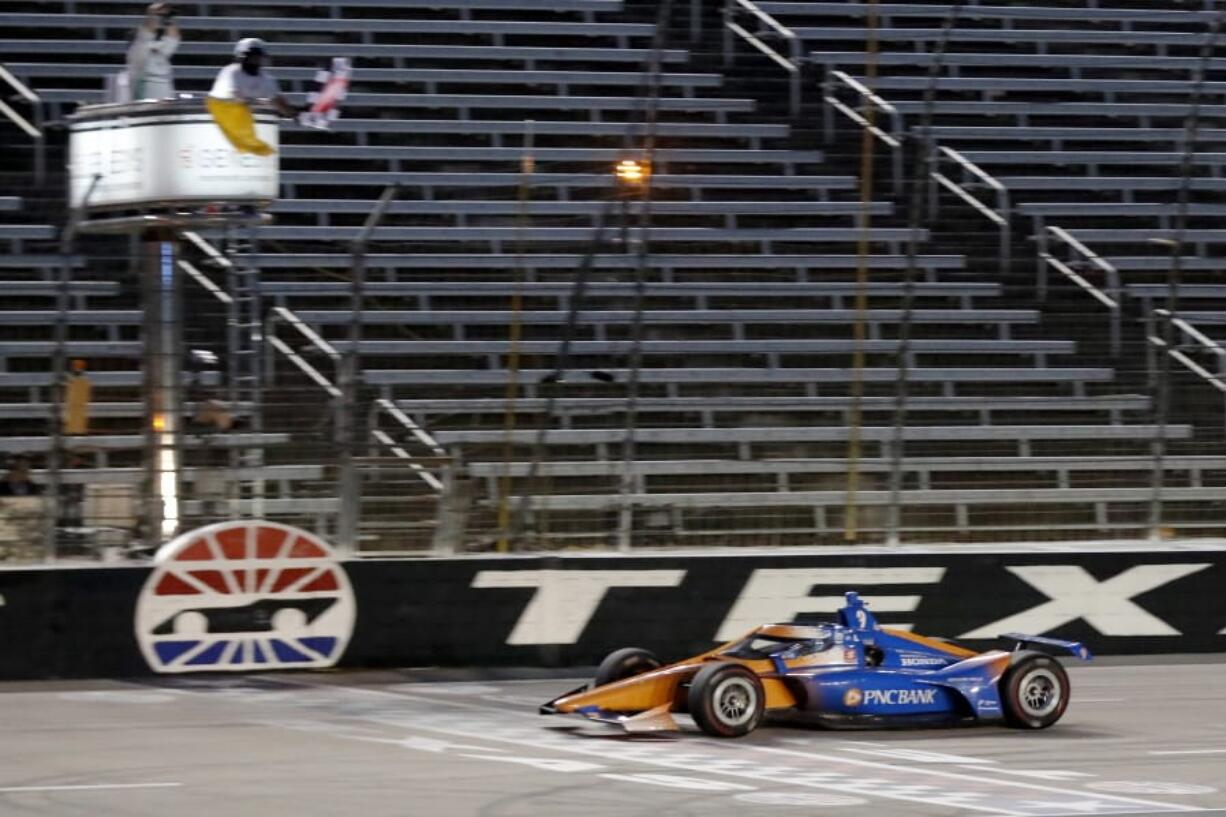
(630, 171)
(159, 422)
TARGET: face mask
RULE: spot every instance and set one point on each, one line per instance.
(250, 66)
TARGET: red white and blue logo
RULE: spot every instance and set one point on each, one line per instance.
(245, 595)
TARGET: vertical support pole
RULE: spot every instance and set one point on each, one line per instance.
(626, 486)
(855, 431)
(348, 489)
(254, 317)
(59, 371)
(1162, 406)
(625, 516)
(527, 166)
(922, 156)
(347, 436)
(728, 13)
(163, 361)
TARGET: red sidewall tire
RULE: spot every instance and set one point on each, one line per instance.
(1034, 692)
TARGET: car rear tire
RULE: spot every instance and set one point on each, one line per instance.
(626, 663)
(726, 700)
(1034, 692)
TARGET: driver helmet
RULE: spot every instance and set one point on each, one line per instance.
(248, 44)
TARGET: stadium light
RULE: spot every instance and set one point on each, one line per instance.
(631, 171)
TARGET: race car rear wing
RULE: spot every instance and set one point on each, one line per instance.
(1073, 647)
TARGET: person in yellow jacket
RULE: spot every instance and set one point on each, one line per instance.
(77, 392)
(239, 85)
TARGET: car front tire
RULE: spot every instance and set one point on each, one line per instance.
(626, 663)
(1034, 692)
(726, 700)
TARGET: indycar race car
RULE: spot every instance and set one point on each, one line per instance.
(850, 673)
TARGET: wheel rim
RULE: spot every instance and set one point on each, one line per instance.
(1039, 693)
(736, 701)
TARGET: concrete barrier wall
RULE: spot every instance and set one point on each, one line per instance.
(560, 610)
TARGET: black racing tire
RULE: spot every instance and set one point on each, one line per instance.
(726, 700)
(1034, 691)
(626, 663)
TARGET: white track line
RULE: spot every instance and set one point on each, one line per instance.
(1131, 802)
(1188, 752)
(1099, 700)
(552, 745)
(87, 787)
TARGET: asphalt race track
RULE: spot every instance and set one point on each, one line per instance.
(1137, 739)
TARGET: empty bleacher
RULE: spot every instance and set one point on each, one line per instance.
(753, 379)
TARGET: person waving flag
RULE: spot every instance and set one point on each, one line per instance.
(239, 85)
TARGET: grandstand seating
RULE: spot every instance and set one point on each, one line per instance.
(750, 283)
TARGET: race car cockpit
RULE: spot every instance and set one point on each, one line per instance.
(784, 641)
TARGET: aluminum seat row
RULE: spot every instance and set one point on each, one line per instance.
(431, 80)
(574, 412)
(105, 26)
(340, 9)
(668, 267)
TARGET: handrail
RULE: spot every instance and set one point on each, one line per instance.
(790, 63)
(1110, 296)
(309, 370)
(1206, 343)
(893, 140)
(417, 432)
(307, 332)
(35, 130)
(400, 452)
(1217, 381)
(215, 255)
(206, 283)
(962, 189)
(398, 414)
(281, 314)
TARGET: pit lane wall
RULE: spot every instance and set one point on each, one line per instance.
(571, 610)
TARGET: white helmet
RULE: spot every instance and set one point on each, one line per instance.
(247, 44)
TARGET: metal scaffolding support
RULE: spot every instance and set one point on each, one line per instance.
(163, 386)
(246, 387)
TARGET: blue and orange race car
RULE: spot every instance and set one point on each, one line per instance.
(846, 674)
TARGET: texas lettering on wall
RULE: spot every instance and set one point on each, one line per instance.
(1102, 599)
(563, 610)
